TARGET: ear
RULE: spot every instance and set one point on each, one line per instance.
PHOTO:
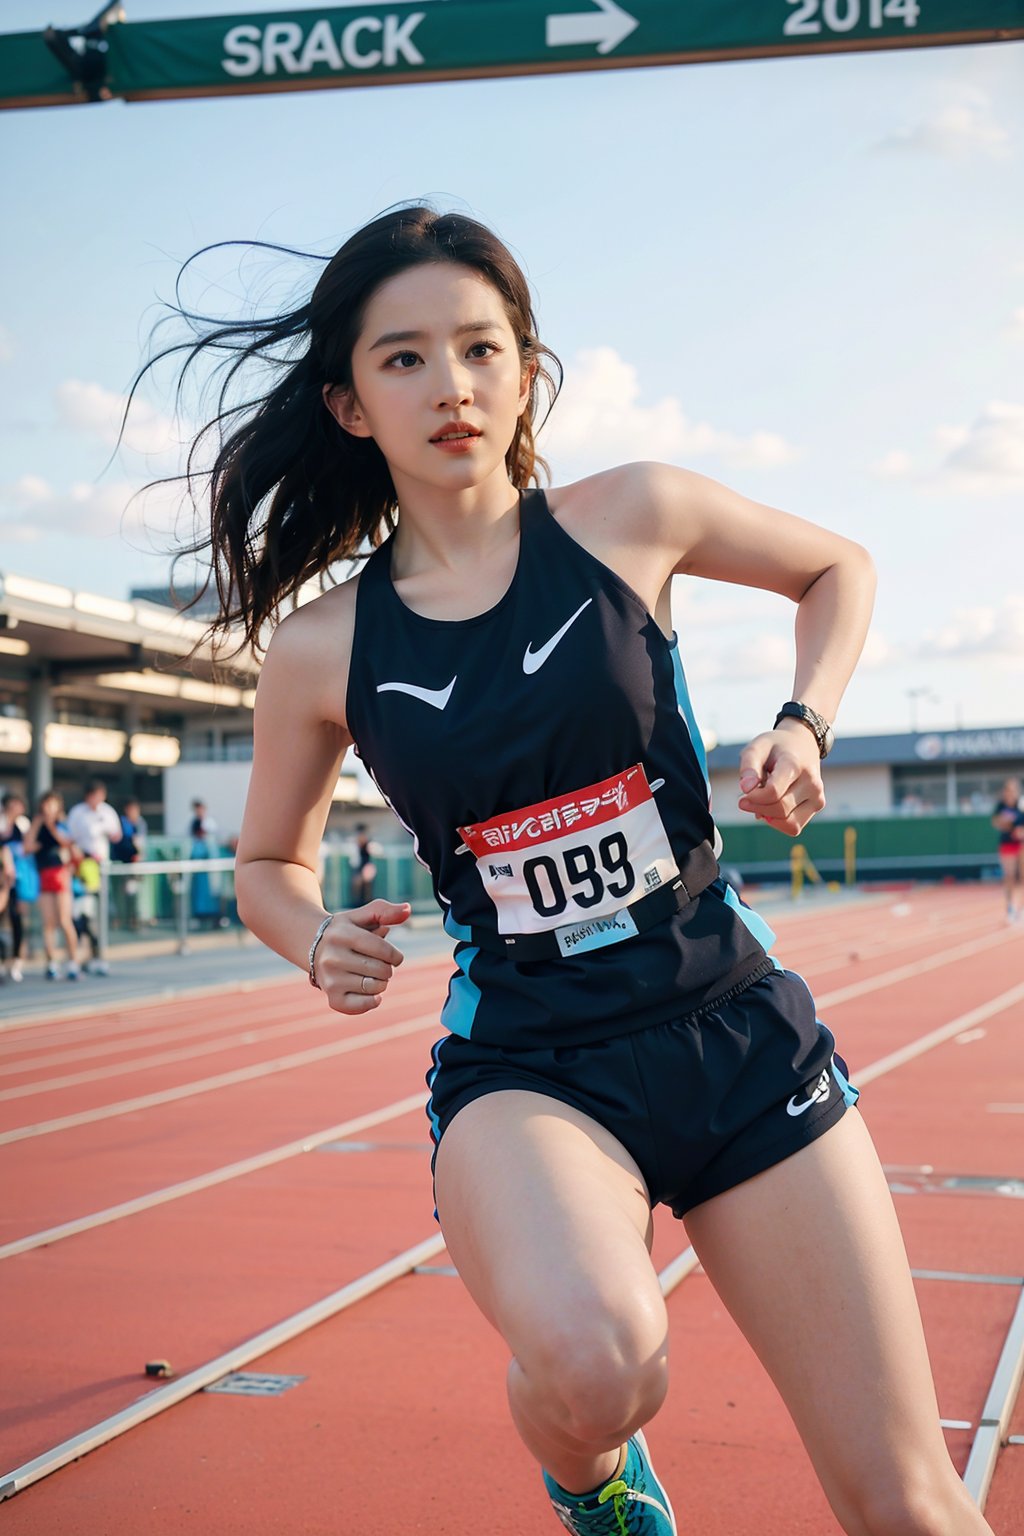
(344, 407)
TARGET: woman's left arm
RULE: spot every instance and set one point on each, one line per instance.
(701, 528)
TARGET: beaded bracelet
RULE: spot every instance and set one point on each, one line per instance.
(312, 948)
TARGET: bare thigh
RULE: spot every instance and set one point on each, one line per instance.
(546, 1218)
(809, 1259)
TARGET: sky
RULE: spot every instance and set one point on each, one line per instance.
(802, 277)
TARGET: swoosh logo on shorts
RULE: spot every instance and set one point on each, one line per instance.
(438, 697)
(534, 660)
(817, 1095)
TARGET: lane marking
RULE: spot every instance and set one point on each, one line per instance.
(908, 972)
(260, 1344)
(999, 1406)
(253, 1349)
(322, 1019)
(216, 1176)
(938, 1036)
(223, 1079)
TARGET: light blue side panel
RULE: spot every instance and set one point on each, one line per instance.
(686, 710)
(764, 935)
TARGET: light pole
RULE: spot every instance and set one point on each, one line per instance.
(913, 694)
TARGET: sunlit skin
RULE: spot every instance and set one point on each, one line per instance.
(406, 391)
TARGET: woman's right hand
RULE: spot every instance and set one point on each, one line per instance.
(355, 946)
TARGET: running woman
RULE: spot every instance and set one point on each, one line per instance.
(1008, 820)
(616, 1033)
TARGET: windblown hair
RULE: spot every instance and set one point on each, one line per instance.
(290, 492)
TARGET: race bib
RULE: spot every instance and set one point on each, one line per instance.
(575, 864)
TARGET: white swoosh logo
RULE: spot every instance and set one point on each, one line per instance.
(821, 1091)
(534, 660)
(438, 697)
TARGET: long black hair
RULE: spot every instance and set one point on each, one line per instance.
(290, 491)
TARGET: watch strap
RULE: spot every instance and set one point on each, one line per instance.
(815, 723)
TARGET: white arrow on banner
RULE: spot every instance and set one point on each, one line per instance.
(606, 27)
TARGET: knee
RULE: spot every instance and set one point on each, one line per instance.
(604, 1379)
(918, 1504)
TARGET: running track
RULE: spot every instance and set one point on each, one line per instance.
(183, 1175)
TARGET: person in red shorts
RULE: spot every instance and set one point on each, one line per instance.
(1008, 820)
(49, 840)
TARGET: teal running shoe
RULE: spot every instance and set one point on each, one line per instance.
(632, 1504)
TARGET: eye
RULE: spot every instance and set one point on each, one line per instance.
(483, 348)
(402, 361)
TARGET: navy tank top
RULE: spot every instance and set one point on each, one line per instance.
(545, 757)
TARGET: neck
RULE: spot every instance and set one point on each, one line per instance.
(454, 529)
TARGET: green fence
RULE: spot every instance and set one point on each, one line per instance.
(887, 847)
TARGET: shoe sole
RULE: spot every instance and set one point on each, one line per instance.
(641, 1440)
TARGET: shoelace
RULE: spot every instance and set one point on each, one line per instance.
(619, 1512)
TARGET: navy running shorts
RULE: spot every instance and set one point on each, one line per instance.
(700, 1103)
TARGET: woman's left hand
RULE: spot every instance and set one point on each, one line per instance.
(780, 778)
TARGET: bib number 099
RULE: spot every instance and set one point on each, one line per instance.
(545, 883)
(843, 15)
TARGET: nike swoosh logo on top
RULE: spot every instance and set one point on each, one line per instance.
(438, 697)
(534, 660)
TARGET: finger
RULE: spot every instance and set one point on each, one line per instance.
(376, 913)
(356, 1002)
(375, 948)
(366, 965)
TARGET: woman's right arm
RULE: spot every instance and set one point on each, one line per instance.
(30, 843)
(299, 740)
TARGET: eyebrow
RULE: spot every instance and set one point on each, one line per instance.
(390, 337)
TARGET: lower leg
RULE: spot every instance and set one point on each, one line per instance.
(579, 1457)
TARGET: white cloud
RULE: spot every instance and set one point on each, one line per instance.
(599, 420)
(98, 411)
(1016, 326)
(989, 456)
(995, 633)
(956, 131)
(32, 510)
(894, 465)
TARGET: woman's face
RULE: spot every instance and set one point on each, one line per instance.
(1011, 791)
(436, 352)
(50, 807)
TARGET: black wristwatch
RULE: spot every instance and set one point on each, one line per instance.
(815, 723)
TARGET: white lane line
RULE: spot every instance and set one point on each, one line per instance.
(215, 1176)
(246, 1036)
(838, 957)
(907, 972)
(223, 1079)
(277, 1154)
(146, 1101)
(999, 1406)
(244, 1354)
(938, 1036)
(75, 1018)
(257, 1016)
(260, 1344)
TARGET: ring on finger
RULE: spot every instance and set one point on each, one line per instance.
(362, 984)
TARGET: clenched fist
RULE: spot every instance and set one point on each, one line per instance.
(354, 961)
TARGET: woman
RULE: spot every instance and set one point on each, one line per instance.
(1008, 820)
(49, 840)
(618, 1035)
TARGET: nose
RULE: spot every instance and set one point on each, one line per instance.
(453, 385)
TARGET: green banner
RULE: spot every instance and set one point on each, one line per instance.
(446, 39)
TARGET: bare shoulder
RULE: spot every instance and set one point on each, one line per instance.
(629, 502)
(311, 650)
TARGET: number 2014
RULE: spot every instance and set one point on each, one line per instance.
(843, 15)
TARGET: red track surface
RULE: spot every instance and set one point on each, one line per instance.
(400, 1423)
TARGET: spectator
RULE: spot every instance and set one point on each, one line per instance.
(364, 870)
(130, 850)
(85, 898)
(49, 840)
(205, 893)
(14, 823)
(94, 825)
